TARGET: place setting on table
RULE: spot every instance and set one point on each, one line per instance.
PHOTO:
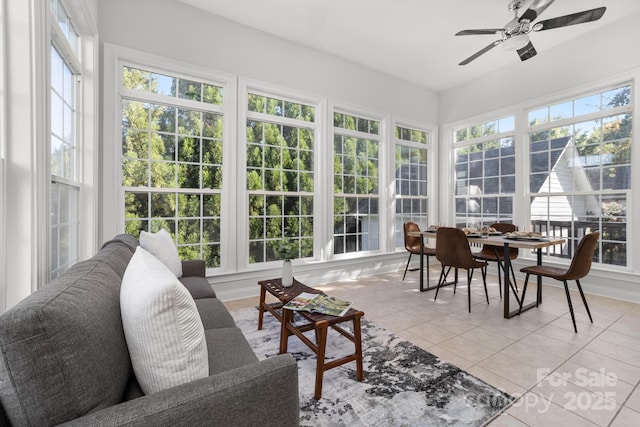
(490, 236)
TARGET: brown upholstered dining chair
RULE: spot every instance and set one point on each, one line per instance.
(495, 254)
(579, 268)
(412, 245)
(452, 250)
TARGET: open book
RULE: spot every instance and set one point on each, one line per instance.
(319, 303)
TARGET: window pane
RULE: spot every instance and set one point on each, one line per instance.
(170, 86)
(587, 105)
(280, 177)
(582, 169)
(64, 197)
(356, 166)
(411, 180)
(483, 171)
(172, 158)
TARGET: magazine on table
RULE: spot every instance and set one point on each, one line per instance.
(319, 303)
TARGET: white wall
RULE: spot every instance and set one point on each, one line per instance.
(23, 137)
(180, 32)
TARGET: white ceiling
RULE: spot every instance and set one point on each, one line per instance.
(409, 39)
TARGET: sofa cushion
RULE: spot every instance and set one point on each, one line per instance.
(162, 246)
(194, 267)
(228, 349)
(214, 314)
(198, 287)
(124, 239)
(162, 326)
(58, 362)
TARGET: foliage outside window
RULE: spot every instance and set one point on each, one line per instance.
(172, 130)
(485, 173)
(65, 185)
(580, 170)
(411, 179)
(356, 183)
(280, 177)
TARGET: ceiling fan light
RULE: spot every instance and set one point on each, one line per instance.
(515, 42)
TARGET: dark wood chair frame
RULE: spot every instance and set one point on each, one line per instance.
(412, 245)
(578, 269)
(453, 251)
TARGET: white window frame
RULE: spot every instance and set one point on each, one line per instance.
(569, 96)
(246, 86)
(145, 97)
(481, 140)
(430, 146)
(71, 59)
(85, 127)
(115, 57)
(385, 199)
(3, 138)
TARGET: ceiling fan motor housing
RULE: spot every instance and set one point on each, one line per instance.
(515, 5)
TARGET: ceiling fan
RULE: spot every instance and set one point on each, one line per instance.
(515, 34)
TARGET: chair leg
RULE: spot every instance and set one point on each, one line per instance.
(407, 266)
(573, 317)
(469, 278)
(524, 292)
(584, 300)
(455, 282)
(483, 270)
(442, 278)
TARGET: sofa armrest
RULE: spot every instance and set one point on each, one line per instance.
(194, 267)
(263, 393)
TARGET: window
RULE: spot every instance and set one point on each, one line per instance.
(65, 184)
(580, 170)
(485, 173)
(280, 175)
(3, 239)
(411, 178)
(356, 147)
(172, 129)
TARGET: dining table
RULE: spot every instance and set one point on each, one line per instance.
(506, 242)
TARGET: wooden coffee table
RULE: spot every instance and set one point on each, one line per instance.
(317, 322)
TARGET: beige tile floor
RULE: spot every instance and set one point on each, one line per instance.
(589, 378)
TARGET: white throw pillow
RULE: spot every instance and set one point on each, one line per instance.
(162, 326)
(162, 246)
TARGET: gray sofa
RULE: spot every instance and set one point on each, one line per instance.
(64, 359)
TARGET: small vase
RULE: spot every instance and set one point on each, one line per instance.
(287, 273)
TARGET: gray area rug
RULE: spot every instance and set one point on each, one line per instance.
(403, 385)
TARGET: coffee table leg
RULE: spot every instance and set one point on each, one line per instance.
(322, 328)
(263, 294)
(284, 330)
(358, 342)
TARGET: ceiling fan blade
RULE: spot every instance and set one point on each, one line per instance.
(527, 52)
(480, 52)
(573, 19)
(479, 32)
(534, 11)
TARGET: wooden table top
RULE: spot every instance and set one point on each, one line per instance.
(501, 240)
(285, 294)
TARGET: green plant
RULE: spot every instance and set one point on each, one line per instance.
(287, 249)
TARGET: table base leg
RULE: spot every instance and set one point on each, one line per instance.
(321, 330)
